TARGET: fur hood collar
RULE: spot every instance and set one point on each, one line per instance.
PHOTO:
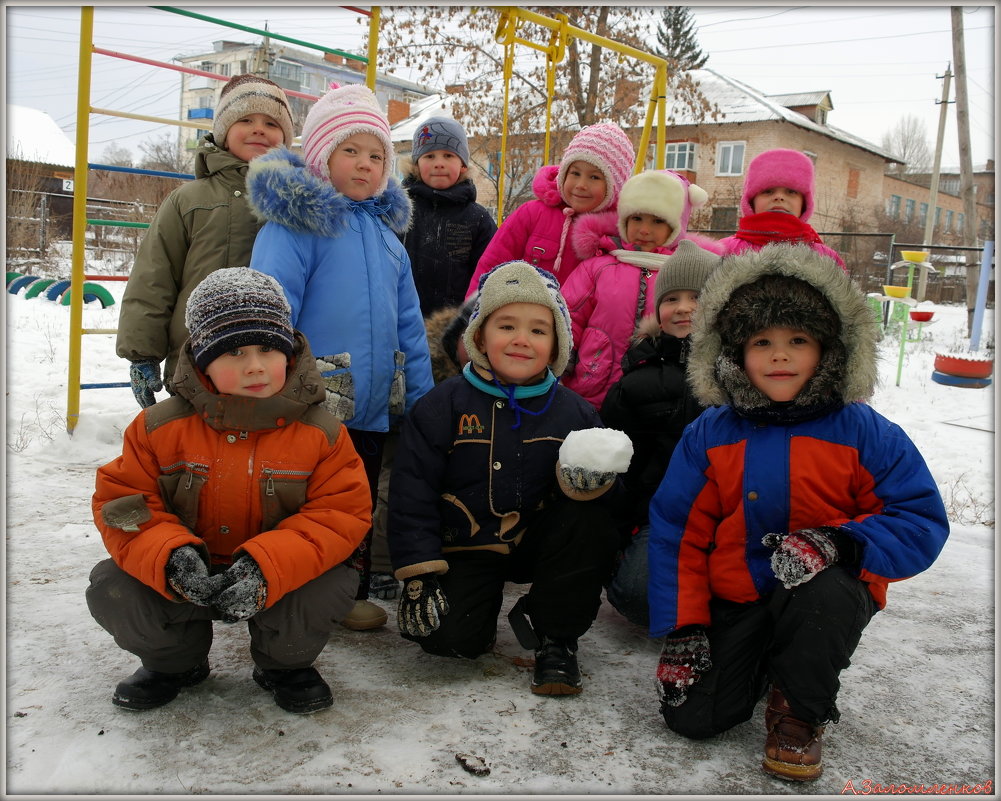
(846, 374)
(595, 234)
(282, 189)
(545, 188)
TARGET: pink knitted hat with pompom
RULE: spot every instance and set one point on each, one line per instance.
(341, 112)
(664, 194)
(788, 168)
(605, 146)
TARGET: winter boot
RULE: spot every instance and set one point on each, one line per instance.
(365, 615)
(556, 671)
(146, 689)
(792, 747)
(299, 690)
(383, 586)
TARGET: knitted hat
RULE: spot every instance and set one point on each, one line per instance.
(520, 282)
(251, 94)
(341, 112)
(605, 146)
(234, 307)
(441, 133)
(788, 168)
(687, 268)
(664, 194)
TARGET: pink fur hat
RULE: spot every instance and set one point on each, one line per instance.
(788, 168)
(605, 146)
(663, 193)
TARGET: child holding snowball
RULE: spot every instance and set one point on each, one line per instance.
(497, 477)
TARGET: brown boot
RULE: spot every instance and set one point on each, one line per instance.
(792, 747)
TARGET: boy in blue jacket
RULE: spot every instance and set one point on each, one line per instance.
(785, 511)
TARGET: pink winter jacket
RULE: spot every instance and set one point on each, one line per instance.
(607, 295)
(539, 232)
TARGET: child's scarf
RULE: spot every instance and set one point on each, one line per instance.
(775, 226)
(513, 392)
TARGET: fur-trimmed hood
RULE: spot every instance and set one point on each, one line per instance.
(846, 373)
(594, 234)
(545, 188)
(282, 189)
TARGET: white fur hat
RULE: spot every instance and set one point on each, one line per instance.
(341, 112)
(663, 193)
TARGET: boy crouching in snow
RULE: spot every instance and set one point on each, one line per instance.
(785, 511)
(493, 481)
(240, 498)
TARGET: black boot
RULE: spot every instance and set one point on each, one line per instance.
(146, 689)
(556, 671)
(299, 690)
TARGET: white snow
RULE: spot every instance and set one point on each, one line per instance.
(917, 703)
(602, 449)
(33, 135)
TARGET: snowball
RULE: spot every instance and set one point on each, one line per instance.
(603, 449)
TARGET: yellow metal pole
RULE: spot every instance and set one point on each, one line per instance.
(79, 218)
(373, 47)
(508, 68)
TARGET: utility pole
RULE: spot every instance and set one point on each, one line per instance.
(933, 189)
(965, 164)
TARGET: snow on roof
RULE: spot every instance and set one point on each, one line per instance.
(802, 98)
(33, 135)
(437, 105)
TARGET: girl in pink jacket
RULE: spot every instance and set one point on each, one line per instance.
(776, 203)
(585, 186)
(613, 288)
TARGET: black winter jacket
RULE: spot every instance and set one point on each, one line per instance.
(652, 403)
(449, 233)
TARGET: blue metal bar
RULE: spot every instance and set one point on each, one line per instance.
(138, 171)
(978, 311)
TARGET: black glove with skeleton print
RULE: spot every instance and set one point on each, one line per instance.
(422, 605)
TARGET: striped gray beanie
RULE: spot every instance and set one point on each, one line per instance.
(251, 94)
(235, 307)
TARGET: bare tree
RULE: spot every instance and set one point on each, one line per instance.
(116, 155)
(165, 154)
(908, 141)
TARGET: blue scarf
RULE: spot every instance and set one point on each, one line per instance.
(513, 392)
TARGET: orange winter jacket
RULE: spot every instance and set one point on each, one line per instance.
(276, 478)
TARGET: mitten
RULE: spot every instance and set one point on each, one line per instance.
(188, 576)
(801, 555)
(336, 373)
(422, 605)
(244, 593)
(589, 459)
(683, 660)
(145, 378)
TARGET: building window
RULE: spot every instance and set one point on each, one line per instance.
(730, 158)
(286, 71)
(680, 156)
(950, 218)
(938, 216)
(893, 207)
(924, 213)
(724, 218)
(224, 69)
(960, 222)
(909, 211)
(853, 182)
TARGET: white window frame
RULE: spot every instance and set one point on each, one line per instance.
(728, 148)
(683, 154)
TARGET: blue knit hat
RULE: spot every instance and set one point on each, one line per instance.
(235, 307)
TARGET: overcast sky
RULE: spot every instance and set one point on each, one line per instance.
(880, 63)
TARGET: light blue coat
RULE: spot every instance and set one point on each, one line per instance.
(348, 280)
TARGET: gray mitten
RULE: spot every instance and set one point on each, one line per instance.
(336, 373)
(683, 660)
(245, 591)
(801, 555)
(422, 605)
(188, 576)
(144, 375)
(590, 458)
(584, 479)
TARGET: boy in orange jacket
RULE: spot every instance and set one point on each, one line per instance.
(195, 535)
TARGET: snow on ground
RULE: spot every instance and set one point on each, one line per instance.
(917, 703)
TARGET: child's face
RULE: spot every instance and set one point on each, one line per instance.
(779, 361)
(778, 198)
(441, 169)
(253, 136)
(646, 231)
(252, 371)
(357, 166)
(584, 186)
(676, 310)
(519, 341)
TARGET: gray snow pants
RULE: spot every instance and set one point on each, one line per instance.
(172, 636)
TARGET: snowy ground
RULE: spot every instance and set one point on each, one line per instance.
(918, 705)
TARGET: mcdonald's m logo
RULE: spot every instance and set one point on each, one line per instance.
(469, 424)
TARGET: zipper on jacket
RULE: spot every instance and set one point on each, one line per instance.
(270, 473)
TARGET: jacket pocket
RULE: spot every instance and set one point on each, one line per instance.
(283, 494)
(398, 389)
(181, 488)
(457, 523)
(339, 382)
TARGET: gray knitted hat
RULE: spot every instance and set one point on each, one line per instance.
(520, 282)
(441, 133)
(251, 94)
(687, 268)
(235, 307)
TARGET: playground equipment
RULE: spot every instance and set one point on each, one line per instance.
(56, 290)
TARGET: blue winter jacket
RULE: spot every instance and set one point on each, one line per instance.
(347, 278)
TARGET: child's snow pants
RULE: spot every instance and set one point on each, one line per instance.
(799, 640)
(172, 637)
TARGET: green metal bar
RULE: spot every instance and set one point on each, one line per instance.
(259, 32)
(119, 223)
